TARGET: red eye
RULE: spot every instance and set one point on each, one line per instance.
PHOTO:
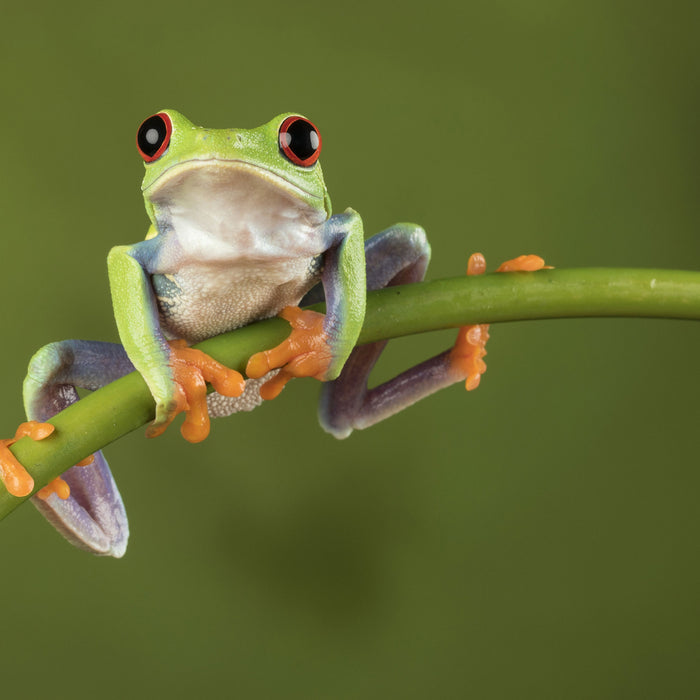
(300, 141)
(153, 136)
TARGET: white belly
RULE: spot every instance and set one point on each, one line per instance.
(204, 300)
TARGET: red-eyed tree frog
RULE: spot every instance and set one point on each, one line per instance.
(241, 230)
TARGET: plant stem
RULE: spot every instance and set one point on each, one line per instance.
(126, 404)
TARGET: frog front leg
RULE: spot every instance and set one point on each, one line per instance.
(84, 505)
(399, 255)
(320, 344)
(175, 374)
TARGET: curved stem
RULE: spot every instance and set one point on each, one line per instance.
(126, 404)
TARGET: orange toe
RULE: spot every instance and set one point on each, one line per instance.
(523, 263)
(305, 353)
(57, 486)
(272, 388)
(476, 264)
(15, 477)
(466, 357)
(192, 369)
(470, 346)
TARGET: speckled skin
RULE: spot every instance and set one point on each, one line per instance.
(197, 306)
(220, 406)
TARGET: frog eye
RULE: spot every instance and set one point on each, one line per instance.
(153, 136)
(300, 141)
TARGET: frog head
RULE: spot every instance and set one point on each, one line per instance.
(281, 155)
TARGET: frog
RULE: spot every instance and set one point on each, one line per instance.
(240, 229)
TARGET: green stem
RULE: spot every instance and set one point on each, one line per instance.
(126, 404)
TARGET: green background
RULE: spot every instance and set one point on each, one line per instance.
(534, 539)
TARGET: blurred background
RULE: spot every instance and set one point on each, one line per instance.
(534, 539)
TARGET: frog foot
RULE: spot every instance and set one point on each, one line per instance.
(59, 486)
(305, 353)
(466, 357)
(192, 369)
(523, 263)
(15, 477)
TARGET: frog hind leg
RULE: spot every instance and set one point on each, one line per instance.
(398, 255)
(92, 517)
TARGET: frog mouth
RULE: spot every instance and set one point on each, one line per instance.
(177, 171)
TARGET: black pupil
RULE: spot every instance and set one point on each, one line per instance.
(302, 139)
(151, 135)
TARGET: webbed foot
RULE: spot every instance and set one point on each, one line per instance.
(15, 477)
(305, 353)
(192, 369)
(466, 357)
